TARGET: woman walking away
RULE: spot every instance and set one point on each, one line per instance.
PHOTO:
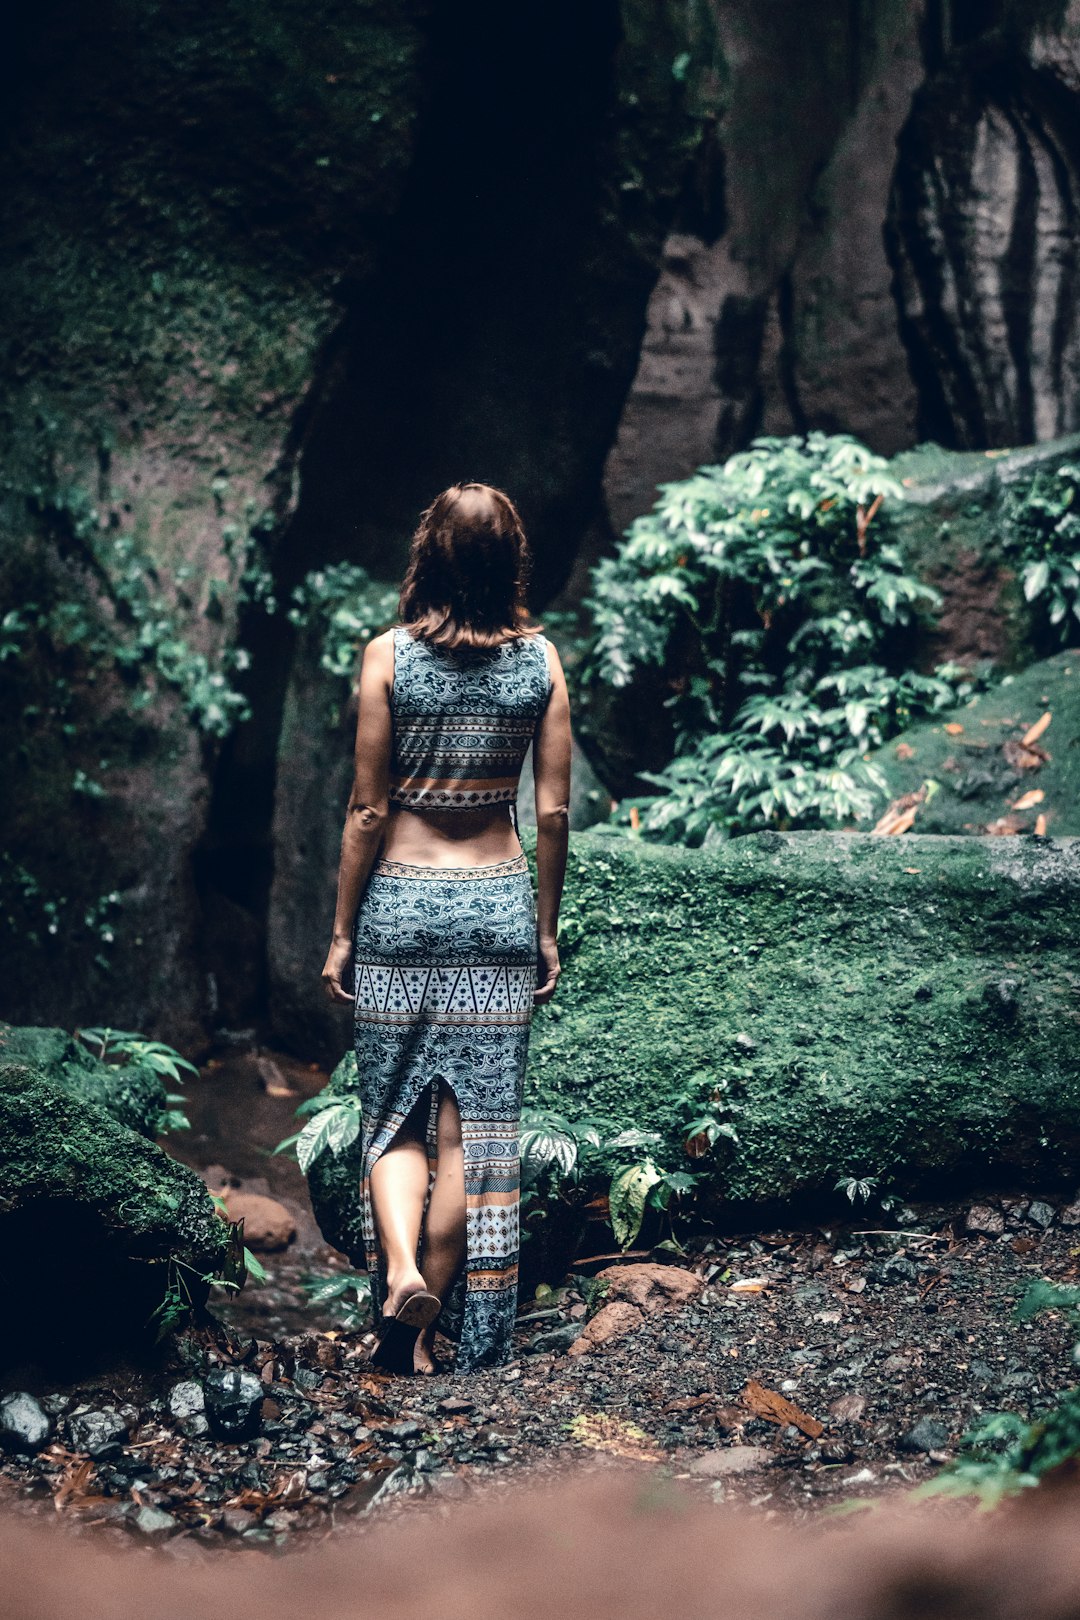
(450, 947)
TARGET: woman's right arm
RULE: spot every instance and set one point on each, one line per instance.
(551, 783)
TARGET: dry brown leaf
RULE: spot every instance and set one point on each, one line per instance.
(776, 1408)
(954, 728)
(900, 814)
(1034, 732)
(1005, 826)
(1022, 758)
(1028, 801)
(911, 870)
(748, 1285)
(1040, 826)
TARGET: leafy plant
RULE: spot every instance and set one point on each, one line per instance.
(122, 1045)
(772, 588)
(347, 607)
(335, 1118)
(1004, 1453)
(347, 1295)
(863, 1188)
(1041, 534)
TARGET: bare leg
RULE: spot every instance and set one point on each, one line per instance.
(399, 1183)
(444, 1226)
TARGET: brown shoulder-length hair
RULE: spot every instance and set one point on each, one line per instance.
(468, 570)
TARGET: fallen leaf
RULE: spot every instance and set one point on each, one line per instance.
(954, 728)
(911, 870)
(1028, 800)
(1023, 758)
(900, 814)
(1034, 732)
(749, 1285)
(1040, 826)
(600, 1432)
(1005, 826)
(776, 1408)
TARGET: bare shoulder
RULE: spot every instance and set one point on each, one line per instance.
(554, 662)
(379, 655)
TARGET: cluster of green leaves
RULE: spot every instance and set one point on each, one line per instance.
(346, 1295)
(333, 1118)
(347, 607)
(121, 1046)
(772, 589)
(1004, 1453)
(181, 1302)
(35, 916)
(1041, 535)
(571, 1159)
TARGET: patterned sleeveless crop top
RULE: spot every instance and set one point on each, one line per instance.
(463, 721)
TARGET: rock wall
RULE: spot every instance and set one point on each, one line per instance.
(895, 245)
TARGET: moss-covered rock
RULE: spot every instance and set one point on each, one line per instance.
(977, 758)
(906, 1009)
(132, 1094)
(95, 1225)
(865, 1006)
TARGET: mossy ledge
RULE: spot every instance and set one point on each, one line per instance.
(893, 1007)
(91, 1214)
(897, 1007)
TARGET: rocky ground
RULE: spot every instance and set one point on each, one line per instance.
(795, 1370)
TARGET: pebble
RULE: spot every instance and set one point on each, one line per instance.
(1040, 1214)
(99, 1434)
(723, 1460)
(154, 1521)
(982, 1218)
(24, 1425)
(187, 1407)
(925, 1435)
(233, 1399)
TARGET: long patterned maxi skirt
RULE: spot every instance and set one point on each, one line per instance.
(446, 967)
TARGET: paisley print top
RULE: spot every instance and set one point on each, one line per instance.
(463, 720)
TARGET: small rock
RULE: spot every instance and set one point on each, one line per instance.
(724, 1460)
(611, 1322)
(238, 1520)
(456, 1403)
(982, 1370)
(404, 1431)
(555, 1340)
(835, 1450)
(1040, 1214)
(187, 1407)
(233, 1399)
(925, 1435)
(154, 1521)
(24, 1425)
(99, 1434)
(848, 1408)
(982, 1218)
(651, 1288)
(1001, 995)
(1070, 1215)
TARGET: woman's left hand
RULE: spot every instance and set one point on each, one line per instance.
(338, 958)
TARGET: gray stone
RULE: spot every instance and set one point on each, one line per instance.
(24, 1425)
(233, 1402)
(100, 1434)
(187, 1407)
(983, 1218)
(925, 1435)
(154, 1521)
(555, 1340)
(1040, 1214)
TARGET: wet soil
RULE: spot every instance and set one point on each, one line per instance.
(889, 1334)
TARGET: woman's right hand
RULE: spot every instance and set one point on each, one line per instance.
(547, 971)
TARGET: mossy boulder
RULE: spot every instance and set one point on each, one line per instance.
(131, 1093)
(987, 779)
(869, 1006)
(95, 1222)
(890, 1007)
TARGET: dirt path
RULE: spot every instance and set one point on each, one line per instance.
(886, 1343)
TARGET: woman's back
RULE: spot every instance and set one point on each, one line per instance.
(463, 721)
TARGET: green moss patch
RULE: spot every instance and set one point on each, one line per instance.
(986, 778)
(863, 1006)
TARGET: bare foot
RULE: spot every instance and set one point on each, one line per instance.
(398, 1290)
(424, 1358)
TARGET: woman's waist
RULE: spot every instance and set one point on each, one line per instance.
(472, 837)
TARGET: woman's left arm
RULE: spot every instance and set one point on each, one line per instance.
(366, 817)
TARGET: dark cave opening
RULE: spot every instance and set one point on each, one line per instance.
(495, 340)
